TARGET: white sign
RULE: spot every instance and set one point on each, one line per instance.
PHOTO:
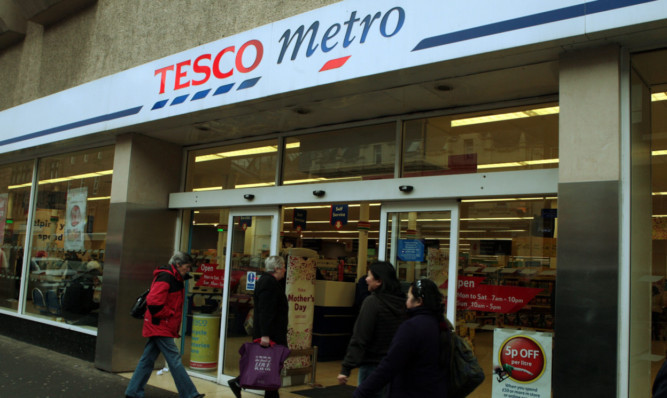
(522, 364)
(339, 42)
(75, 219)
(251, 279)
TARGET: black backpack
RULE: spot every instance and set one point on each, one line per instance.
(457, 358)
(139, 308)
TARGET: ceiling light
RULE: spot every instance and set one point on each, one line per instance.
(501, 199)
(506, 116)
(100, 198)
(245, 152)
(63, 179)
(517, 164)
(655, 97)
(496, 218)
(206, 189)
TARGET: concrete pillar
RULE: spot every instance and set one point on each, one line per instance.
(140, 237)
(586, 321)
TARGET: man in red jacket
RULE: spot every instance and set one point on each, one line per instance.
(162, 323)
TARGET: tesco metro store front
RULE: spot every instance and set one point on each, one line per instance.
(511, 154)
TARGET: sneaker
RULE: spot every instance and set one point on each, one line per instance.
(235, 387)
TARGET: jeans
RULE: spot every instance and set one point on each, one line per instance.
(364, 372)
(155, 346)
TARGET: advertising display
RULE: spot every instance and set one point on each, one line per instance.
(75, 219)
(522, 364)
(300, 290)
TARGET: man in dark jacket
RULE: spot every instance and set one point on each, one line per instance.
(162, 323)
(270, 312)
(380, 316)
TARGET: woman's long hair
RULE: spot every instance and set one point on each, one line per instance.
(385, 272)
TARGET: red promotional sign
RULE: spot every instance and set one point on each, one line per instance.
(211, 276)
(473, 295)
(523, 358)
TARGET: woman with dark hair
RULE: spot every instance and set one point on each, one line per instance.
(411, 367)
(380, 315)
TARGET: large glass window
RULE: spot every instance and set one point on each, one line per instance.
(233, 166)
(69, 235)
(507, 271)
(500, 140)
(15, 184)
(358, 153)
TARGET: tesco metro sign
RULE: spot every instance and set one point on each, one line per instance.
(247, 56)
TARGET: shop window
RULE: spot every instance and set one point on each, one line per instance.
(68, 239)
(233, 166)
(507, 271)
(500, 140)
(15, 183)
(358, 153)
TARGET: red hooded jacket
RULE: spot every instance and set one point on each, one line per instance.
(165, 304)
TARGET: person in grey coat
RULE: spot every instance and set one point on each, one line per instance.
(380, 316)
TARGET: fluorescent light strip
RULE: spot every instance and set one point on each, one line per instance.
(505, 116)
(319, 179)
(496, 218)
(63, 179)
(517, 164)
(100, 198)
(325, 207)
(503, 199)
(206, 189)
(328, 222)
(244, 152)
(655, 97)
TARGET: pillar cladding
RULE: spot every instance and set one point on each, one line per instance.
(140, 237)
(586, 324)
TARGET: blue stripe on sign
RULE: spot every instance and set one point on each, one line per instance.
(200, 95)
(223, 89)
(542, 18)
(248, 83)
(69, 126)
(179, 100)
(159, 104)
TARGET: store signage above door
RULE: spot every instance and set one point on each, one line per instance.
(343, 41)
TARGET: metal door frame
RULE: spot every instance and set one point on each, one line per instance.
(432, 205)
(273, 211)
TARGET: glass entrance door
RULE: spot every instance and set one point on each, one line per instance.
(421, 240)
(253, 236)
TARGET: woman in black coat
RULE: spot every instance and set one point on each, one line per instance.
(411, 366)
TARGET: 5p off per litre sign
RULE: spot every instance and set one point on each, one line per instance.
(522, 364)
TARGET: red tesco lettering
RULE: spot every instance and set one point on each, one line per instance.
(223, 66)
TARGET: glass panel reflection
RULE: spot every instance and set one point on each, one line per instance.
(15, 184)
(69, 236)
(233, 166)
(358, 153)
(251, 243)
(500, 140)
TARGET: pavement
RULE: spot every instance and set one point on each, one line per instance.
(29, 371)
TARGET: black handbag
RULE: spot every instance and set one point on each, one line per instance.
(139, 307)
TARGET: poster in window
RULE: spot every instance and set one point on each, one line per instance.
(75, 219)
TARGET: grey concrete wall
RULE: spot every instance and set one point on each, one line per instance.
(115, 35)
